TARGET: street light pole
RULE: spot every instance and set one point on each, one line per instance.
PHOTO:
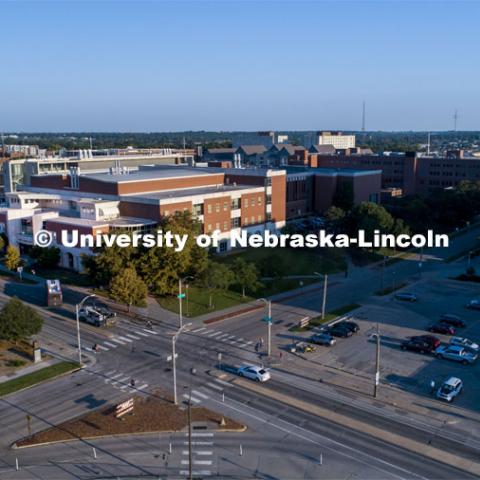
(377, 364)
(78, 306)
(174, 362)
(324, 300)
(268, 319)
(180, 297)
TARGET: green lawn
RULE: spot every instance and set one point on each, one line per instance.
(39, 376)
(298, 261)
(338, 312)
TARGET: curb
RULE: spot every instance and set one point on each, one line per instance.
(403, 442)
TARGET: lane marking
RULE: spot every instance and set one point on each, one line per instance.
(105, 349)
(145, 385)
(214, 334)
(223, 382)
(200, 394)
(198, 330)
(137, 332)
(196, 473)
(125, 339)
(111, 345)
(133, 336)
(216, 387)
(197, 462)
(200, 434)
(150, 331)
(193, 399)
(199, 443)
(114, 339)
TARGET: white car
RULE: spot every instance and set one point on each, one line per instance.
(465, 343)
(259, 374)
(450, 389)
(406, 296)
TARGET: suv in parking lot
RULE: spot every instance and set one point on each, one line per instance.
(465, 343)
(406, 296)
(339, 331)
(432, 341)
(350, 325)
(322, 339)
(417, 346)
(441, 328)
(450, 389)
(455, 353)
(473, 305)
(453, 320)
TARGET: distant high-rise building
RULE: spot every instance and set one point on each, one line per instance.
(337, 139)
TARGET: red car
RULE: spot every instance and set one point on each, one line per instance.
(442, 328)
(433, 341)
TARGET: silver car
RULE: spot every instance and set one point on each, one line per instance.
(450, 389)
(455, 353)
(465, 343)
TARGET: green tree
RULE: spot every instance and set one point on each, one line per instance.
(3, 242)
(246, 275)
(335, 218)
(343, 196)
(369, 217)
(45, 257)
(216, 276)
(18, 321)
(128, 288)
(12, 258)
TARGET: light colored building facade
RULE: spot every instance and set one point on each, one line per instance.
(337, 139)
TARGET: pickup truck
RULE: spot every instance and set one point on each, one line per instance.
(93, 317)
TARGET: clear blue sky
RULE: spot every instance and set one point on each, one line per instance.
(159, 66)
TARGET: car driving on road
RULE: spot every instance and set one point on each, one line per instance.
(322, 339)
(455, 353)
(259, 374)
(406, 296)
(450, 389)
(465, 343)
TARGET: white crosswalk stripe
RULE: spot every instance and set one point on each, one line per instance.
(198, 330)
(223, 382)
(200, 394)
(214, 334)
(197, 462)
(199, 443)
(101, 347)
(111, 345)
(200, 434)
(132, 336)
(196, 473)
(141, 333)
(153, 332)
(125, 339)
(216, 387)
(116, 340)
(193, 399)
(143, 387)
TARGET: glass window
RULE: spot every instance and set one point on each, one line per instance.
(225, 226)
(217, 207)
(209, 208)
(225, 206)
(259, 219)
(245, 203)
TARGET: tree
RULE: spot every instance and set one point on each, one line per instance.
(216, 276)
(335, 217)
(48, 257)
(246, 275)
(128, 288)
(3, 241)
(343, 196)
(18, 321)
(369, 216)
(12, 258)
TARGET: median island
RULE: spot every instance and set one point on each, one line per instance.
(152, 414)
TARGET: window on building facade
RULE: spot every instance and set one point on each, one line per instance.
(217, 226)
(268, 216)
(245, 203)
(235, 222)
(253, 219)
(198, 209)
(209, 208)
(269, 200)
(225, 206)
(235, 203)
(252, 202)
(259, 200)
(217, 208)
(225, 226)
(209, 228)
(259, 219)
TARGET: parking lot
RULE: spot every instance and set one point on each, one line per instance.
(399, 320)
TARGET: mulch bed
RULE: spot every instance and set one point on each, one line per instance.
(151, 414)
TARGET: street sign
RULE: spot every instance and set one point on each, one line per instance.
(169, 357)
(19, 269)
(123, 408)
(267, 319)
(181, 295)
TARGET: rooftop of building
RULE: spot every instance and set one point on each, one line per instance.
(346, 172)
(116, 222)
(253, 149)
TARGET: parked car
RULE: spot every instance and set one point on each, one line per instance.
(453, 320)
(465, 343)
(433, 341)
(442, 328)
(473, 305)
(406, 296)
(455, 353)
(450, 389)
(259, 374)
(420, 346)
(339, 331)
(350, 325)
(323, 339)
(302, 347)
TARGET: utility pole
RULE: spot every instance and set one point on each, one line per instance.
(324, 302)
(268, 319)
(78, 306)
(190, 459)
(180, 297)
(174, 362)
(383, 273)
(377, 364)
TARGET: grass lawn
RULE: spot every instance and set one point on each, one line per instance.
(329, 316)
(198, 298)
(299, 261)
(64, 275)
(39, 376)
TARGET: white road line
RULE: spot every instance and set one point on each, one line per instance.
(110, 372)
(120, 380)
(111, 345)
(198, 330)
(200, 434)
(132, 336)
(193, 399)
(116, 376)
(200, 394)
(230, 337)
(214, 334)
(142, 387)
(150, 331)
(249, 343)
(125, 339)
(223, 382)
(196, 473)
(197, 462)
(101, 347)
(216, 387)
(199, 443)
(243, 345)
(205, 332)
(141, 333)
(117, 341)
(203, 452)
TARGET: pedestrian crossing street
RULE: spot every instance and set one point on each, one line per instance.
(202, 454)
(116, 340)
(223, 337)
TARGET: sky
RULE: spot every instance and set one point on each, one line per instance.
(175, 66)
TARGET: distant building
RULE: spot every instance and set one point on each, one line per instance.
(267, 138)
(251, 154)
(337, 139)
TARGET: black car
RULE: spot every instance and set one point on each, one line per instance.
(350, 325)
(431, 340)
(339, 331)
(453, 320)
(442, 328)
(417, 346)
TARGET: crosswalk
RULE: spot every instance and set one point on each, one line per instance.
(118, 380)
(202, 454)
(117, 340)
(224, 337)
(203, 393)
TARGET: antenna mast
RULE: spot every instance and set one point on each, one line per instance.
(455, 118)
(363, 117)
